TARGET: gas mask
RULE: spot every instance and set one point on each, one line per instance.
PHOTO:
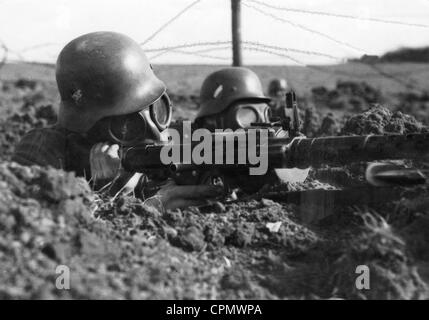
(140, 127)
(242, 115)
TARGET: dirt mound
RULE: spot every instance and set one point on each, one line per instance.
(122, 249)
(330, 126)
(311, 121)
(416, 104)
(47, 220)
(316, 123)
(41, 214)
(348, 95)
(10, 134)
(26, 84)
(378, 248)
(20, 122)
(381, 120)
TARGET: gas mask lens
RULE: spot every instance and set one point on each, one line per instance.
(268, 114)
(246, 116)
(160, 112)
(133, 128)
(128, 128)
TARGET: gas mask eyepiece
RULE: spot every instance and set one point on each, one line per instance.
(243, 115)
(135, 128)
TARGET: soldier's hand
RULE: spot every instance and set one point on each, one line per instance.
(104, 161)
(174, 196)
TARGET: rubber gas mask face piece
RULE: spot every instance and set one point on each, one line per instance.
(242, 115)
(140, 127)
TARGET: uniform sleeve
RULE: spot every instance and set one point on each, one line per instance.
(43, 147)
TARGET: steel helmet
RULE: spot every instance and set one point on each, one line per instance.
(103, 74)
(221, 88)
(276, 85)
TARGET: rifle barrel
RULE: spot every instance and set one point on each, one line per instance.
(298, 152)
(342, 150)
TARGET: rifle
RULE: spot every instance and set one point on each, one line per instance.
(282, 152)
(285, 148)
(285, 115)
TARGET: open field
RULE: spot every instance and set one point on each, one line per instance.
(187, 79)
(285, 241)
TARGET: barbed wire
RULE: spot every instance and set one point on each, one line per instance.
(305, 28)
(167, 23)
(310, 67)
(247, 44)
(338, 15)
(201, 55)
(291, 81)
(254, 43)
(299, 62)
(406, 84)
(387, 75)
(167, 49)
(307, 52)
(215, 49)
(199, 52)
(250, 48)
(188, 45)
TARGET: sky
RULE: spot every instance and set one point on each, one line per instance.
(36, 30)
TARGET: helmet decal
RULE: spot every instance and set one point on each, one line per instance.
(218, 91)
(77, 96)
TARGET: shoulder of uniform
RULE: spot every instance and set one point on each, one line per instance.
(43, 147)
(45, 137)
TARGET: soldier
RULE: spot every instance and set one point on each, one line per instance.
(277, 87)
(232, 98)
(277, 90)
(110, 98)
